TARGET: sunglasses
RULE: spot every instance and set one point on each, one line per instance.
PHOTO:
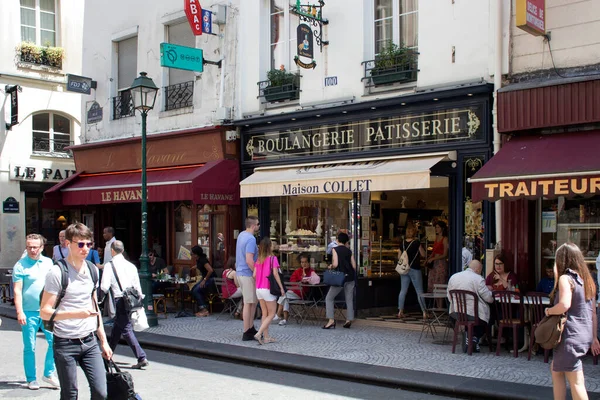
(81, 245)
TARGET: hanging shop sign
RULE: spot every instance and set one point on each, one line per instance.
(181, 57)
(531, 16)
(207, 21)
(305, 42)
(10, 206)
(14, 104)
(94, 114)
(79, 84)
(439, 127)
(193, 13)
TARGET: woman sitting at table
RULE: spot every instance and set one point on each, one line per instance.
(203, 268)
(304, 274)
(231, 286)
(501, 278)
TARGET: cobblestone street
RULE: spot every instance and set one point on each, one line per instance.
(390, 347)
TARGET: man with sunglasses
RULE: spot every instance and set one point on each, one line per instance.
(79, 337)
(29, 275)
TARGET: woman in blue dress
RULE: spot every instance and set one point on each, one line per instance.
(575, 295)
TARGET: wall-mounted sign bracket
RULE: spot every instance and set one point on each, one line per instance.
(312, 14)
(217, 63)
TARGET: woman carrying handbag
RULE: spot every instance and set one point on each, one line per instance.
(266, 265)
(574, 295)
(344, 261)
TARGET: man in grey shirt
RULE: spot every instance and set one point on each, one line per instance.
(79, 337)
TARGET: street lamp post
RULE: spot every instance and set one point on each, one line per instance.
(143, 91)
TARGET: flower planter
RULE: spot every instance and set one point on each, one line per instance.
(393, 75)
(280, 93)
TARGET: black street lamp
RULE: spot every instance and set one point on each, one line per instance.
(143, 91)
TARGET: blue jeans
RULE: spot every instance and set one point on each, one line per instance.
(122, 327)
(198, 292)
(85, 352)
(414, 276)
(33, 322)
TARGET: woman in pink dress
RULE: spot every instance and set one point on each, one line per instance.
(266, 264)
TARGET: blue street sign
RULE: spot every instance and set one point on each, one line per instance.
(181, 57)
(206, 21)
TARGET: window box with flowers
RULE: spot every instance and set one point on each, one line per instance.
(394, 64)
(41, 55)
(281, 85)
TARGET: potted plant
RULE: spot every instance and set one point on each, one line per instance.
(283, 85)
(53, 56)
(394, 64)
(44, 55)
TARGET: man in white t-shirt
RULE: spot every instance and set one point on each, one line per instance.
(109, 235)
(79, 337)
(61, 250)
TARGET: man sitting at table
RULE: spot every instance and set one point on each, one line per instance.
(304, 274)
(546, 284)
(470, 279)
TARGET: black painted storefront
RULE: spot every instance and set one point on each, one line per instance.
(471, 152)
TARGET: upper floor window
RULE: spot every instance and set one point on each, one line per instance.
(38, 22)
(126, 74)
(51, 133)
(283, 34)
(396, 21)
(180, 90)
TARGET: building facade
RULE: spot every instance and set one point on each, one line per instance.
(41, 43)
(361, 118)
(192, 153)
(546, 174)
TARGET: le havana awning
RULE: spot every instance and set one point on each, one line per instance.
(358, 176)
(565, 164)
(215, 182)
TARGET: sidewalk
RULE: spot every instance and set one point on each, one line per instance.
(370, 353)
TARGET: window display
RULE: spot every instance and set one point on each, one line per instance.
(183, 231)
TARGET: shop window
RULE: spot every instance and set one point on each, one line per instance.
(570, 220)
(51, 134)
(183, 231)
(38, 22)
(473, 239)
(211, 233)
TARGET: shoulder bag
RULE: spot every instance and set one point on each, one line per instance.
(334, 277)
(549, 331)
(132, 298)
(273, 285)
(403, 266)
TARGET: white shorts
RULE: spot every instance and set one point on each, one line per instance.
(265, 294)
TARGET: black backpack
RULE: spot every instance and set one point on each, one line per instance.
(64, 282)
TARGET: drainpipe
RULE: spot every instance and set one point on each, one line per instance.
(497, 86)
(223, 64)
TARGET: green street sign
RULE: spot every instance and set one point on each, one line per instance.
(181, 57)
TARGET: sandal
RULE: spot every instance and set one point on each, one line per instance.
(269, 340)
(401, 315)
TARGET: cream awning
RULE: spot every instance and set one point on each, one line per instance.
(358, 176)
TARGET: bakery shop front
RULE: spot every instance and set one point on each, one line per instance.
(192, 191)
(370, 170)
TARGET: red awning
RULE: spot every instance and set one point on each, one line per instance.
(565, 164)
(216, 182)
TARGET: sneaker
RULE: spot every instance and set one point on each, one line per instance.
(276, 318)
(249, 334)
(52, 380)
(476, 347)
(33, 385)
(252, 330)
(283, 322)
(141, 364)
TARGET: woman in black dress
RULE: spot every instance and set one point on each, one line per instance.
(343, 260)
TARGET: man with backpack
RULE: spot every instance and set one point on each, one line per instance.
(29, 275)
(69, 303)
(122, 277)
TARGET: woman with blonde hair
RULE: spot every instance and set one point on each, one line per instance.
(266, 264)
(574, 294)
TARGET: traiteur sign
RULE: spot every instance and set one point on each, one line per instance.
(531, 16)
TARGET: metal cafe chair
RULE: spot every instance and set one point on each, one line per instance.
(300, 309)
(229, 305)
(459, 300)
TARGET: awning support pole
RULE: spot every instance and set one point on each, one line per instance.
(497, 86)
